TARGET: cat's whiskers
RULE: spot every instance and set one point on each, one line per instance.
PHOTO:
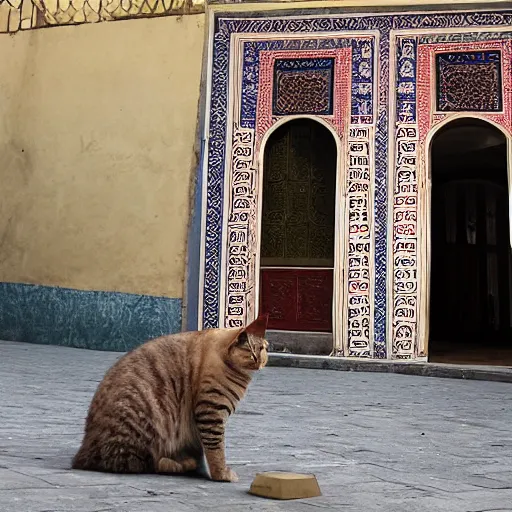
(252, 349)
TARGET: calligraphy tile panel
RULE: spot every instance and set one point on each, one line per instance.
(359, 242)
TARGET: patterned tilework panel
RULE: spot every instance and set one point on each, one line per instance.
(84, 319)
(252, 63)
(469, 81)
(406, 80)
(362, 81)
(303, 86)
(427, 79)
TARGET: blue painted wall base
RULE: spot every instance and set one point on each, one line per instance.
(84, 319)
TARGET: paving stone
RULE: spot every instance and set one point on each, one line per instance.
(10, 480)
(376, 441)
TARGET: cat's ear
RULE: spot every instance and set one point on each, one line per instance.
(234, 336)
(258, 327)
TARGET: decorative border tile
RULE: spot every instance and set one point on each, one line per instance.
(405, 242)
(240, 274)
(406, 48)
(360, 241)
(362, 81)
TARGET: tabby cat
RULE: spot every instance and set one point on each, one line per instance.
(163, 407)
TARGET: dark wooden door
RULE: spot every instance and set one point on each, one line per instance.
(297, 249)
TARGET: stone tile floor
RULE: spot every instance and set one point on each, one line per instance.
(377, 442)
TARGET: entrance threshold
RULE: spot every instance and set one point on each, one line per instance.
(413, 367)
(482, 354)
(300, 342)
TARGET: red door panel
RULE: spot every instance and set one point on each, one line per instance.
(297, 299)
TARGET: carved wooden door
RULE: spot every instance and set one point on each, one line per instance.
(297, 234)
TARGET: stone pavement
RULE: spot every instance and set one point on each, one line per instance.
(377, 442)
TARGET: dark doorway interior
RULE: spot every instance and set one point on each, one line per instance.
(470, 296)
(297, 233)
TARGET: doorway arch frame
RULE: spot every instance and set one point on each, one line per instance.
(339, 299)
(425, 212)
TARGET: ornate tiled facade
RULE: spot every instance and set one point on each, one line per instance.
(382, 84)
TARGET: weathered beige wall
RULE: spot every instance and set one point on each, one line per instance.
(97, 132)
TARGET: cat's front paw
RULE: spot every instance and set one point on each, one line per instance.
(228, 475)
(233, 477)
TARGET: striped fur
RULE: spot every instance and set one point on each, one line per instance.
(163, 407)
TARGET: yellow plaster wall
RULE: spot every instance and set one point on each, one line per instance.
(97, 133)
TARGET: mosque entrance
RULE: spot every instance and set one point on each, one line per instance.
(297, 236)
(470, 281)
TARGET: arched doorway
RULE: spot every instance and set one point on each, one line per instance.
(297, 236)
(470, 281)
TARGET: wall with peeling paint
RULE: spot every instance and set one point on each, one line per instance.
(97, 153)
